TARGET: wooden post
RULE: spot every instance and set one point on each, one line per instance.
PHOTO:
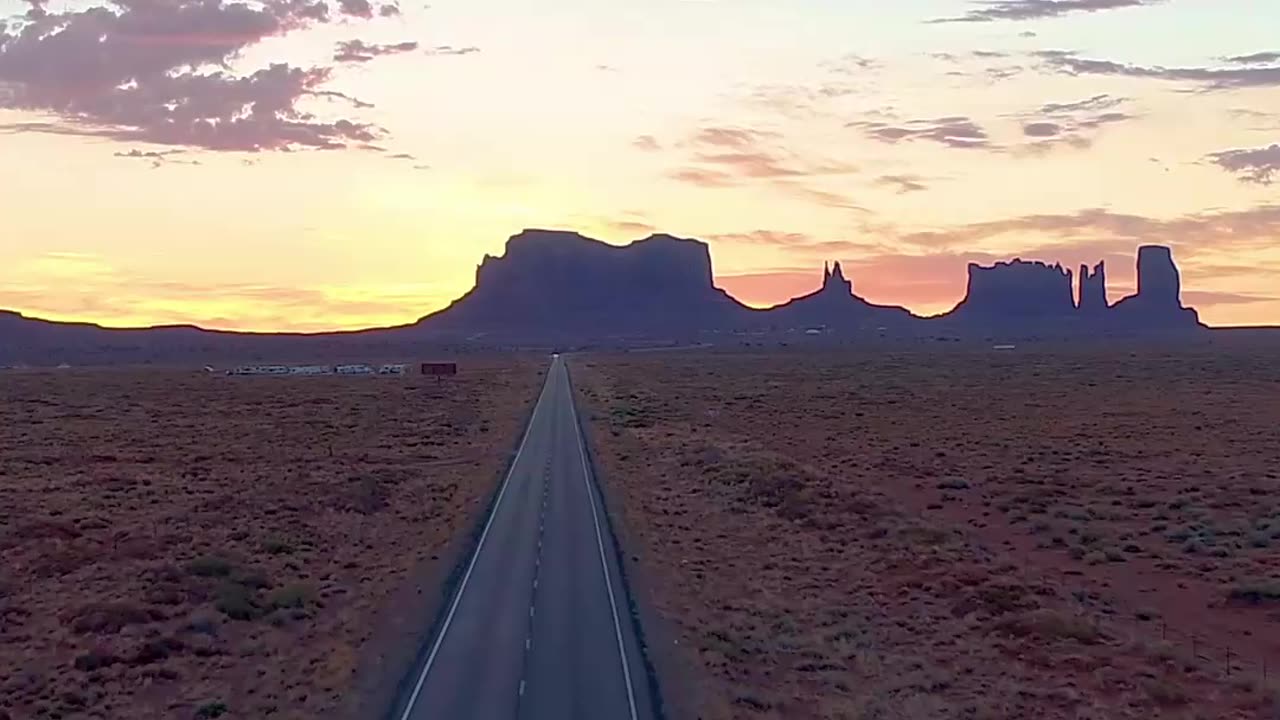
(1228, 661)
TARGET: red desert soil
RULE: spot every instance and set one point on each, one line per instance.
(176, 545)
(951, 535)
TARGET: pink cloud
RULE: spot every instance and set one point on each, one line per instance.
(156, 72)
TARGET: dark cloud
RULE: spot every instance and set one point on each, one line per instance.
(1072, 124)
(149, 154)
(903, 183)
(1261, 58)
(1256, 165)
(158, 158)
(451, 50)
(996, 10)
(334, 95)
(956, 132)
(356, 8)
(1042, 129)
(1097, 103)
(358, 51)
(1210, 78)
(401, 156)
(156, 72)
(389, 10)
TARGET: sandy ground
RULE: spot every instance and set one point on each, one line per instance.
(185, 546)
(956, 534)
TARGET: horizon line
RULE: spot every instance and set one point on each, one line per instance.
(410, 320)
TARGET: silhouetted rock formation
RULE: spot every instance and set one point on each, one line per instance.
(560, 287)
(553, 284)
(1093, 289)
(1033, 299)
(1157, 306)
(834, 280)
(1017, 292)
(834, 306)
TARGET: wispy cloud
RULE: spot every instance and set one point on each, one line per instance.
(1072, 124)
(1209, 78)
(1238, 230)
(158, 158)
(1259, 58)
(997, 10)
(359, 51)
(452, 50)
(647, 143)
(1255, 165)
(724, 155)
(956, 131)
(903, 183)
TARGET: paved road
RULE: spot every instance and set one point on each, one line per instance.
(539, 628)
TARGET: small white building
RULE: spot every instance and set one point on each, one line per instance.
(358, 369)
(311, 370)
(393, 370)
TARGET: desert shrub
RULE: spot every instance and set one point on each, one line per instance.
(1256, 593)
(1051, 625)
(294, 595)
(209, 566)
(954, 484)
(157, 650)
(1260, 540)
(277, 546)
(111, 617)
(1165, 693)
(251, 579)
(236, 601)
(95, 660)
(211, 710)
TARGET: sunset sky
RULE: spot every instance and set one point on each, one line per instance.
(310, 165)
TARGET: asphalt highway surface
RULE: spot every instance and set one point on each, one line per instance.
(539, 627)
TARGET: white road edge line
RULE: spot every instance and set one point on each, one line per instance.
(604, 563)
(435, 648)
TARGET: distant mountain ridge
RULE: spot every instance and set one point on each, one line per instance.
(556, 287)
